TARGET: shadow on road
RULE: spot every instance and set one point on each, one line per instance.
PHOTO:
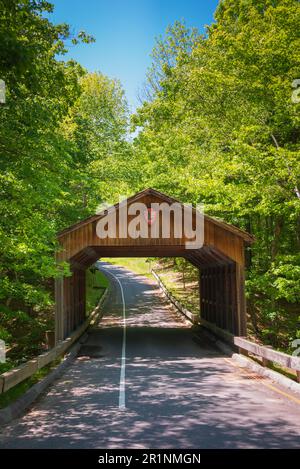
(179, 394)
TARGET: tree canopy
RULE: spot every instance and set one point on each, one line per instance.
(57, 128)
(221, 128)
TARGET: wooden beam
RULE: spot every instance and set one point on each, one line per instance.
(59, 309)
(268, 354)
(240, 301)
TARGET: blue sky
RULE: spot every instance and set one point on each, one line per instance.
(125, 32)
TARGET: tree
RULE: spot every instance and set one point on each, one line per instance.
(222, 129)
(35, 164)
(97, 126)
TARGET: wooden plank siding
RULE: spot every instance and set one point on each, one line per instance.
(220, 261)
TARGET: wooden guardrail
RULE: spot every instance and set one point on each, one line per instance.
(11, 378)
(269, 355)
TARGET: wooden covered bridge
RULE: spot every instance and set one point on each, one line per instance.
(220, 260)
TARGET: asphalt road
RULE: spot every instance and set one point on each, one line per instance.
(178, 392)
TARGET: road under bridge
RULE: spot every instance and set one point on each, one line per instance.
(176, 389)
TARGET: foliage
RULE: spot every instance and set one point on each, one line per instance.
(138, 265)
(223, 116)
(96, 283)
(57, 121)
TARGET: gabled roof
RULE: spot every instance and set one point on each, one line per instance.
(233, 229)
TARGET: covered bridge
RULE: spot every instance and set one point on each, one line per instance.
(220, 260)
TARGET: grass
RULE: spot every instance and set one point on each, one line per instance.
(138, 265)
(187, 292)
(96, 283)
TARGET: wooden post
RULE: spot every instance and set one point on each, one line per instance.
(241, 300)
(225, 297)
(214, 295)
(66, 307)
(227, 273)
(200, 292)
(243, 352)
(50, 339)
(232, 299)
(83, 280)
(265, 362)
(202, 295)
(221, 298)
(210, 295)
(59, 310)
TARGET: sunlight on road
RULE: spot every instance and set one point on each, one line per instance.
(179, 394)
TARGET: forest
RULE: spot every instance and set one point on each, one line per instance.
(218, 123)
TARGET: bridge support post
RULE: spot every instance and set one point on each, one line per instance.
(59, 310)
(222, 297)
(241, 300)
(70, 303)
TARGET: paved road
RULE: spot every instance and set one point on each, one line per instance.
(178, 394)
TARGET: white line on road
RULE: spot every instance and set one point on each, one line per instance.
(123, 357)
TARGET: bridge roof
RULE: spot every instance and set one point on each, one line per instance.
(246, 237)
